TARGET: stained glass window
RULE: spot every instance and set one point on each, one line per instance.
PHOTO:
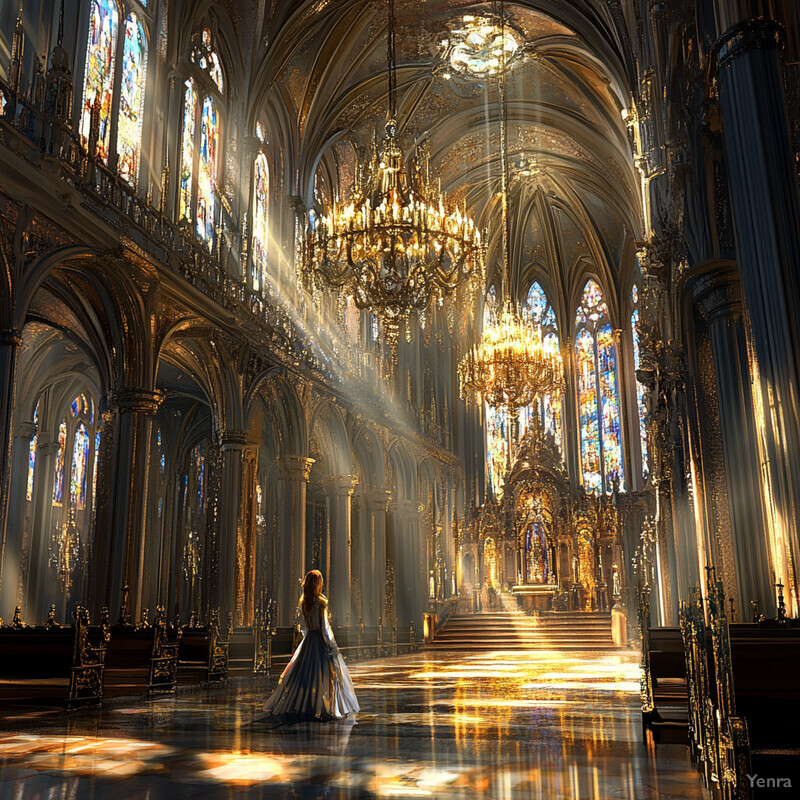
(207, 171)
(206, 58)
(641, 390)
(80, 462)
(598, 394)
(496, 449)
(131, 101)
(98, 84)
(260, 221)
(187, 150)
(542, 313)
(200, 475)
(94, 468)
(162, 454)
(32, 450)
(58, 482)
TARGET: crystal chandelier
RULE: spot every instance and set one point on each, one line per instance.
(511, 366)
(400, 246)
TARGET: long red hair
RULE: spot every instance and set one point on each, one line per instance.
(312, 589)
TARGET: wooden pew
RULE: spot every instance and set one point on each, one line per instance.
(744, 700)
(663, 682)
(241, 653)
(143, 659)
(52, 664)
(203, 653)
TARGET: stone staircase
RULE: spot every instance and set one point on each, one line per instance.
(513, 630)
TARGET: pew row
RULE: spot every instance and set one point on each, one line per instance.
(51, 664)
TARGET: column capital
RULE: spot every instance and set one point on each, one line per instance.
(378, 499)
(407, 508)
(753, 34)
(137, 401)
(26, 430)
(343, 485)
(46, 448)
(10, 338)
(295, 468)
(234, 439)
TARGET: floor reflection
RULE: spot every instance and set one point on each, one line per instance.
(502, 725)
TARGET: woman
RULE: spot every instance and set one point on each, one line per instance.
(315, 683)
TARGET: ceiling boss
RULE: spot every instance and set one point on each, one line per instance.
(399, 246)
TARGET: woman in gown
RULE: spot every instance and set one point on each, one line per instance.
(315, 683)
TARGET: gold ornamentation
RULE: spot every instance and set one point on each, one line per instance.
(399, 246)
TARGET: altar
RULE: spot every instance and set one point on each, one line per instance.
(535, 597)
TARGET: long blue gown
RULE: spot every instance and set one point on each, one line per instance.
(315, 683)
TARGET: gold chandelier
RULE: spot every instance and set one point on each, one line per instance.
(511, 366)
(400, 247)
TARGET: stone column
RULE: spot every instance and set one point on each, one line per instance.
(122, 485)
(340, 578)
(748, 562)
(410, 585)
(9, 350)
(766, 213)
(12, 552)
(232, 444)
(290, 541)
(374, 589)
(41, 528)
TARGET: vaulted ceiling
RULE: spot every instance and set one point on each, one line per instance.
(325, 73)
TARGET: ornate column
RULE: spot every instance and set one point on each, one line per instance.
(10, 341)
(408, 546)
(339, 580)
(743, 557)
(290, 541)
(230, 532)
(122, 485)
(12, 550)
(373, 557)
(41, 527)
(766, 215)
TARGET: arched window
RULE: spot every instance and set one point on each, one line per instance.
(207, 171)
(80, 463)
(32, 450)
(641, 390)
(131, 101)
(58, 481)
(105, 49)
(598, 394)
(200, 157)
(549, 408)
(94, 468)
(98, 84)
(260, 217)
(187, 149)
(497, 433)
(200, 477)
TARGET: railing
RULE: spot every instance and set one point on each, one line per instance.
(293, 328)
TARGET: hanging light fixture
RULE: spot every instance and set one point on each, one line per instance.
(400, 246)
(511, 366)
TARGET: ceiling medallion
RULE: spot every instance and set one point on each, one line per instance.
(400, 246)
(511, 366)
(479, 44)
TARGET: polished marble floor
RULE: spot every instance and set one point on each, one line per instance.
(502, 725)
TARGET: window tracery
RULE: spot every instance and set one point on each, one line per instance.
(598, 394)
(549, 408)
(200, 156)
(104, 50)
(260, 236)
(641, 390)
